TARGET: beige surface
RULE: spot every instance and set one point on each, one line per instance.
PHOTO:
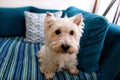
(49, 4)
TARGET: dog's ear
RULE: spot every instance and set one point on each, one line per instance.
(49, 19)
(77, 19)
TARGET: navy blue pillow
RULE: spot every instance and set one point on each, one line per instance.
(92, 41)
(12, 21)
(38, 10)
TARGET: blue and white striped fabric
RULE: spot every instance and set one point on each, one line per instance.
(18, 61)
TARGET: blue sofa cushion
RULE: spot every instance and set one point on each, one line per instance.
(110, 53)
(92, 41)
(12, 21)
(38, 10)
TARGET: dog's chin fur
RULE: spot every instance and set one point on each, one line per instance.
(54, 55)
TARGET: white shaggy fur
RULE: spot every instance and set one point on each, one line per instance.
(62, 36)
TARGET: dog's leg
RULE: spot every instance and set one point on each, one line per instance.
(73, 70)
(48, 70)
(71, 67)
(46, 64)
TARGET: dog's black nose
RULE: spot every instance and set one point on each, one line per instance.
(65, 47)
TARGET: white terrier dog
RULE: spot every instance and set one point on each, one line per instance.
(62, 36)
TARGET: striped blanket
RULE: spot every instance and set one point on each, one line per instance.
(18, 61)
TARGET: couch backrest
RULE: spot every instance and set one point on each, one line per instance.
(12, 20)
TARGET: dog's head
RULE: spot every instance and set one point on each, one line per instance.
(62, 35)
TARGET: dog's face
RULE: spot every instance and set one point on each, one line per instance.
(62, 35)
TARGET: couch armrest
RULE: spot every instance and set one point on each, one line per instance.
(110, 57)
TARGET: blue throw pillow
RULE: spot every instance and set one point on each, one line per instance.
(92, 41)
(12, 21)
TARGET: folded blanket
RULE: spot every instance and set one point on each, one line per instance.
(18, 61)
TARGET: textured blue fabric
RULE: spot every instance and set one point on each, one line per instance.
(38, 10)
(110, 57)
(18, 61)
(12, 21)
(92, 41)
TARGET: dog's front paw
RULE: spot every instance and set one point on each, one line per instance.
(42, 70)
(74, 71)
(48, 73)
(49, 76)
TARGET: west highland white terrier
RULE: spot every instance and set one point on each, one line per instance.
(62, 36)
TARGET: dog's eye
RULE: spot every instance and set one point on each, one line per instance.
(57, 32)
(71, 32)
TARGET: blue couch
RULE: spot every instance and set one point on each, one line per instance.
(98, 58)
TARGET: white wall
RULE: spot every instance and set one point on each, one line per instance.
(51, 4)
(103, 5)
(37, 3)
(86, 5)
